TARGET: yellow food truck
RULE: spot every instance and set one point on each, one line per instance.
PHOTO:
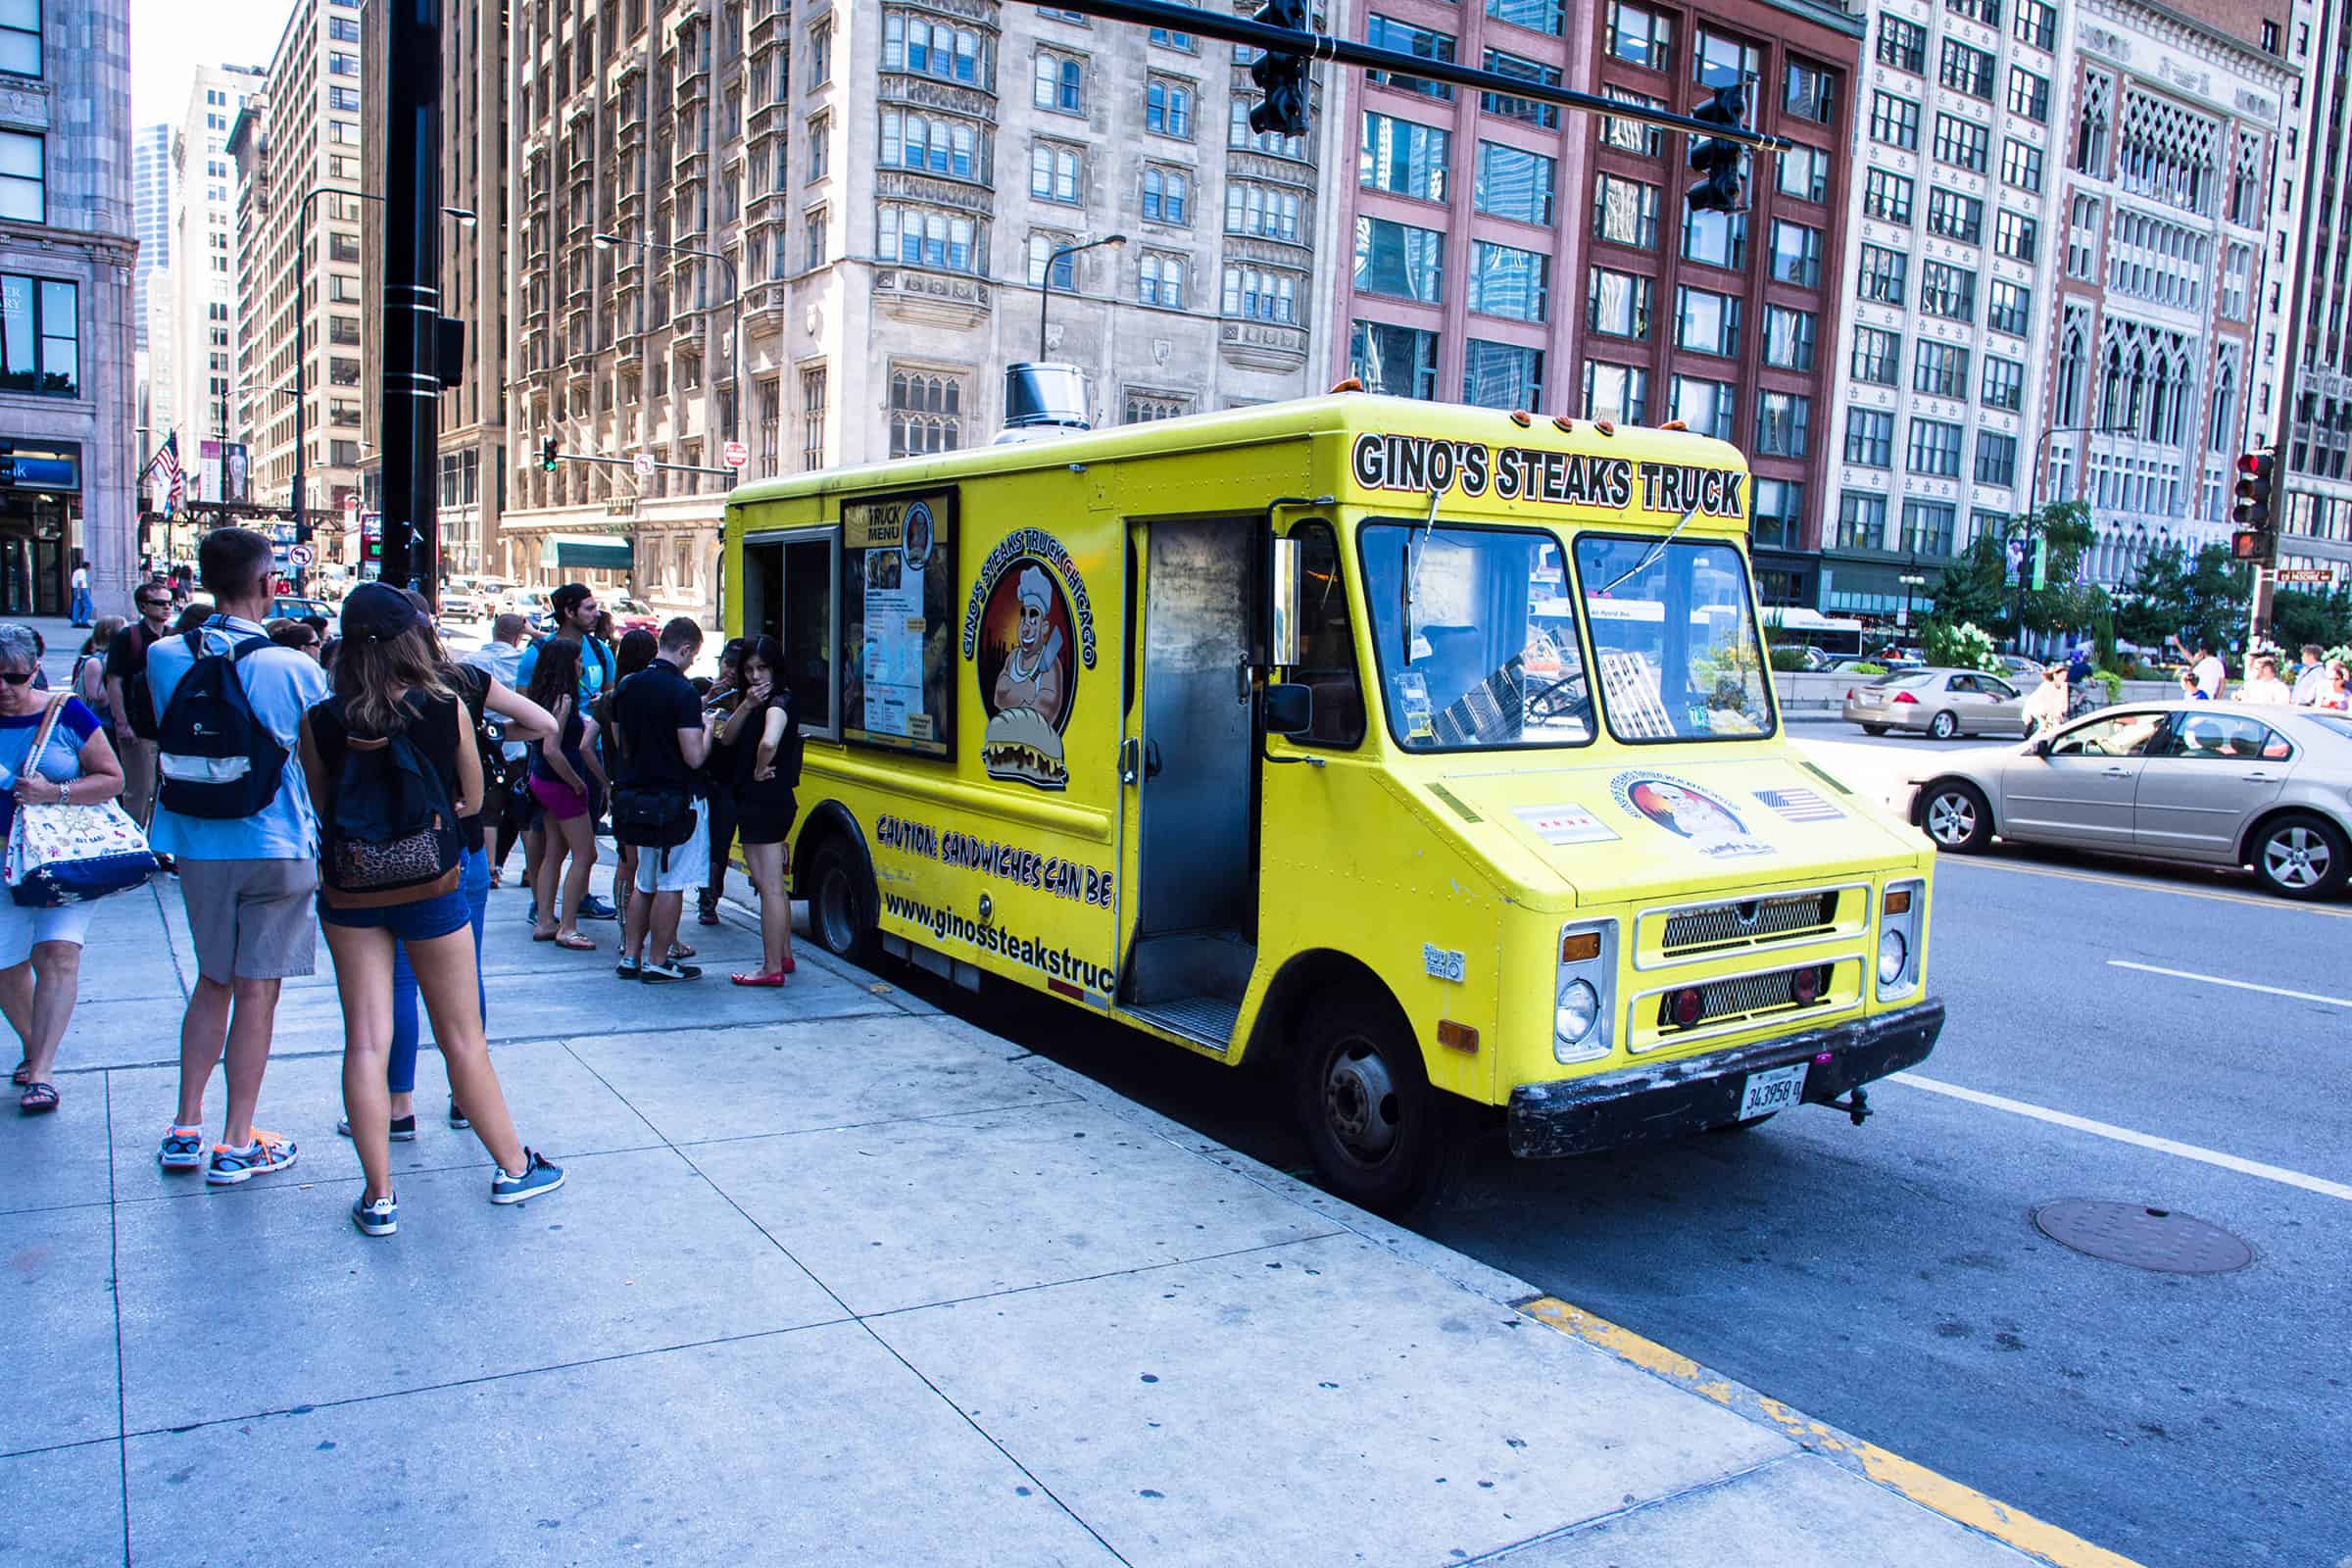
(1425, 755)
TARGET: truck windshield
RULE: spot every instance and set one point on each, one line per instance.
(1476, 637)
(1675, 637)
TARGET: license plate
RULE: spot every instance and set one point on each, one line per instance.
(1773, 1089)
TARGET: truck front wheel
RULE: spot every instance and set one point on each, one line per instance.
(840, 903)
(1378, 1133)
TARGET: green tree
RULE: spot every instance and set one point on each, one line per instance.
(2298, 618)
(2200, 600)
(1972, 588)
(2065, 603)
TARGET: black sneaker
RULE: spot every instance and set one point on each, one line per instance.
(404, 1129)
(669, 975)
(629, 968)
(457, 1118)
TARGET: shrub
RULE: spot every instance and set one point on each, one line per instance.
(1791, 660)
(1966, 646)
(1869, 669)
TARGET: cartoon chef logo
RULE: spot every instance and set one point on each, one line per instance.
(1687, 812)
(1027, 669)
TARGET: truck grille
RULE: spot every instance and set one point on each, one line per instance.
(1778, 991)
(1740, 923)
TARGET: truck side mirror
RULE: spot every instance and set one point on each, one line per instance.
(1282, 619)
(1289, 709)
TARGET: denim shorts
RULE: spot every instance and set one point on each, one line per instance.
(422, 921)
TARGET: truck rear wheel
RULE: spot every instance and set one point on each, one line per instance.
(841, 904)
(1378, 1133)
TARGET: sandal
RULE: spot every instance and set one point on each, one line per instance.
(543, 936)
(38, 1100)
(573, 942)
(23, 1075)
(679, 950)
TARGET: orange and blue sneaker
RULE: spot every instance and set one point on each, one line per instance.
(183, 1150)
(266, 1152)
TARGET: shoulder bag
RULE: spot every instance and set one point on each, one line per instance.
(69, 854)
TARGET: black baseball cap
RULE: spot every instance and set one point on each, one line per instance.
(376, 611)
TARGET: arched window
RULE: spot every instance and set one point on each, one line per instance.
(2073, 358)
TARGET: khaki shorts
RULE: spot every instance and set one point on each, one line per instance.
(252, 920)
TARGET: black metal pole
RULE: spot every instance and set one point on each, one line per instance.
(411, 305)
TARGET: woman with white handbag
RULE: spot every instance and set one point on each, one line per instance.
(72, 767)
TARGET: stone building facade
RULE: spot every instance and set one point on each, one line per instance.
(205, 282)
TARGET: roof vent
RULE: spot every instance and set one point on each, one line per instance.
(1044, 397)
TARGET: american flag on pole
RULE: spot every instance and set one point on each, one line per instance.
(175, 482)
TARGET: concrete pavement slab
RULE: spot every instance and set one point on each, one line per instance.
(811, 1446)
(707, 1084)
(1801, 1512)
(64, 1508)
(558, 1105)
(637, 1254)
(60, 1308)
(58, 1160)
(910, 1212)
(1317, 1400)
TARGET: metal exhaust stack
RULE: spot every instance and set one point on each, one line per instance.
(1043, 399)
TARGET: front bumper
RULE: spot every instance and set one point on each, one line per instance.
(1646, 1104)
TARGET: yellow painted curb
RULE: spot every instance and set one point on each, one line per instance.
(1938, 1494)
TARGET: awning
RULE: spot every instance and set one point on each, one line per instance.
(599, 552)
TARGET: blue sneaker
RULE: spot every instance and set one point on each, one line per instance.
(593, 907)
(183, 1149)
(266, 1152)
(379, 1218)
(538, 1177)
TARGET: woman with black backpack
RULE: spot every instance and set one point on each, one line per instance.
(766, 737)
(394, 768)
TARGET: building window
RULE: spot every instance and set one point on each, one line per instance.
(2030, 95)
(1711, 407)
(1501, 376)
(1963, 143)
(2004, 384)
(1167, 196)
(1861, 520)
(1387, 33)
(1403, 157)
(1400, 260)
(820, 146)
(339, 63)
(1996, 458)
(1788, 337)
(956, 148)
(812, 418)
(1888, 196)
(1928, 527)
(926, 413)
(1625, 212)
(1776, 520)
(1531, 111)
(2034, 23)
(1514, 183)
(912, 42)
(1394, 361)
(1170, 38)
(1966, 70)
(40, 336)
(2091, 124)
(343, 29)
(1509, 282)
(1948, 291)
(1168, 108)
(1617, 304)
(1536, 16)
(1955, 217)
(813, 238)
(1894, 121)
(343, 330)
(1935, 449)
(920, 238)
(1869, 437)
(2021, 165)
(1640, 37)
(1878, 355)
(2015, 236)
(1618, 393)
(1796, 255)
(1159, 280)
(21, 38)
(1065, 266)
(1941, 371)
(2009, 308)
(1803, 172)
(23, 178)
(343, 100)
(1718, 239)
(1784, 424)
(1262, 295)
(1632, 135)
(1060, 85)
(1722, 61)
(1145, 408)
(1707, 323)
(1267, 212)
(1902, 44)
(1809, 92)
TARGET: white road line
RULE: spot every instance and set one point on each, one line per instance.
(2125, 1135)
(2234, 985)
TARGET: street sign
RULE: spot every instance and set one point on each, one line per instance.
(2321, 575)
(300, 555)
(643, 463)
(735, 455)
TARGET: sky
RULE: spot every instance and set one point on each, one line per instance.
(168, 38)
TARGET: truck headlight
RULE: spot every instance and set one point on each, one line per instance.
(1902, 937)
(1895, 956)
(1583, 992)
(1577, 1014)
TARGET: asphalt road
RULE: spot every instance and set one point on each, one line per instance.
(1890, 1278)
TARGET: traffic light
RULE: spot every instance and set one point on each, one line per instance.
(1281, 78)
(2254, 540)
(548, 453)
(1719, 159)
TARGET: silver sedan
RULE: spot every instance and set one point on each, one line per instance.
(1942, 702)
(2207, 783)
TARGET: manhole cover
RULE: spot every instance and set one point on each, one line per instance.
(2145, 1238)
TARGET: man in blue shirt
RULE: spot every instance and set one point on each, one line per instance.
(248, 884)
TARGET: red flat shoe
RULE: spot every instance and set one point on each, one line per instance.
(775, 978)
(790, 967)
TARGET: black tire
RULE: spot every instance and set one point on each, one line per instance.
(841, 903)
(1873, 729)
(1955, 815)
(2300, 855)
(1377, 1130)
(1944, 725)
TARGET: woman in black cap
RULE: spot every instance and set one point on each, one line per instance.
(392, 766)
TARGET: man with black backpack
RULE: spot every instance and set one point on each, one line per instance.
(229, 705)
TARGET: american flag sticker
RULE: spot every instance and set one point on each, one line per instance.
(1800, 806)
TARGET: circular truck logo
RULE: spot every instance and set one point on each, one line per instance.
(1687, 812)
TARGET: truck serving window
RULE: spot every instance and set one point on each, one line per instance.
(1675, 635)
(1475, 636)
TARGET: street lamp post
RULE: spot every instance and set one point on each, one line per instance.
(1045, 293)
(1912, 582)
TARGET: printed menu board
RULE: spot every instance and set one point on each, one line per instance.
(898, 581)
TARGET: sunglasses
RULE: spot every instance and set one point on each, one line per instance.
(154, 604)
(14, 678)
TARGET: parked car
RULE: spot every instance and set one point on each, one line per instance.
(632, 614)
(532, 605)
(460, 603)
(1942, 702)
(2203, 783)
(292, 607)
(2023, 671)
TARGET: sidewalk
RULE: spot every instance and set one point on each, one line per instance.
(835, 1279)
